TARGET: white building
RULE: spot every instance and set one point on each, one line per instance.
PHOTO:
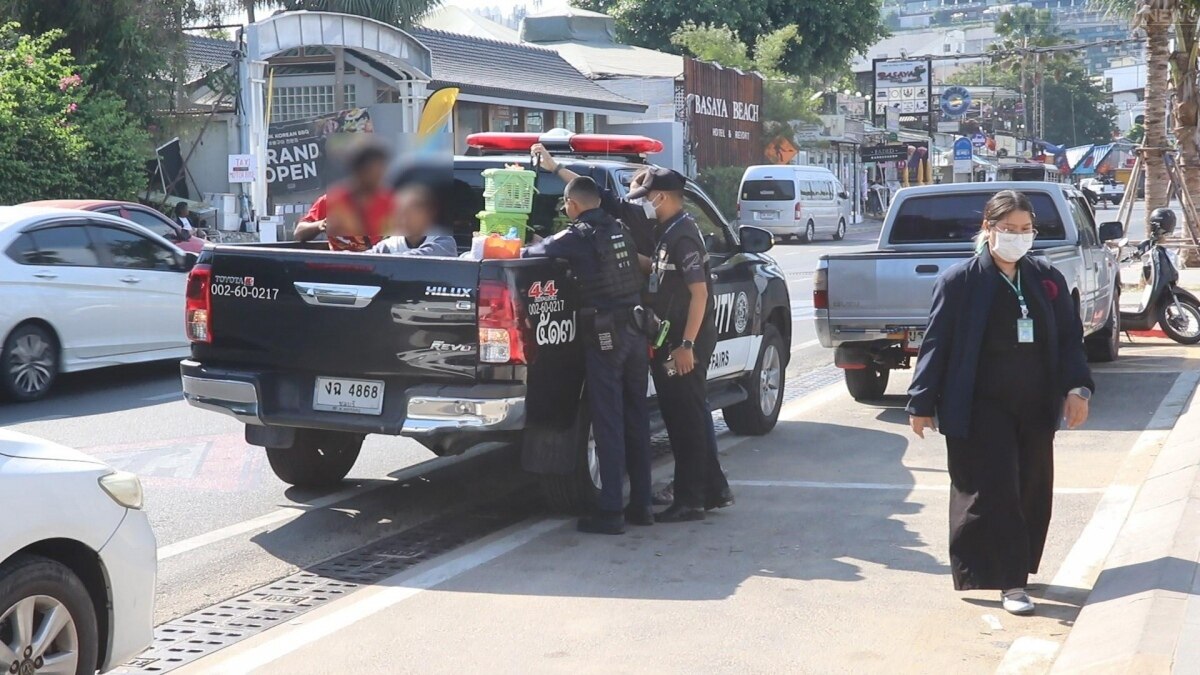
(1128, 86)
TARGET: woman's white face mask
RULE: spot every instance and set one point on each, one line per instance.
(1011, 246)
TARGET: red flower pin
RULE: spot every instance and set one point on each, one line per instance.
(1051, 289)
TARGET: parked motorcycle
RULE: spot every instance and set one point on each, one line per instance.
(1163, 301)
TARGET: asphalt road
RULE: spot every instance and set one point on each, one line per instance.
(804, 522)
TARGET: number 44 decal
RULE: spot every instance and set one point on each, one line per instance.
(538, 291)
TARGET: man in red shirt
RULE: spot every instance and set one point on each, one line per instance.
(361, 210)
(312, 225)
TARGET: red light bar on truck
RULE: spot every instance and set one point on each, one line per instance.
(584, 144)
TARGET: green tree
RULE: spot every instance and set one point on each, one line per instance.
(830, 32)
(60, 138)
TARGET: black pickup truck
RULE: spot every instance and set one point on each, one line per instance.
(314, 349)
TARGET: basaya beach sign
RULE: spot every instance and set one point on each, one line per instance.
(296, 149)
(719, 107)
(724, 107)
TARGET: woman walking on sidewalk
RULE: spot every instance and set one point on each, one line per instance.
(1001, 365)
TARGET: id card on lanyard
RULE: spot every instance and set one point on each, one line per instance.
(1024, 324)
(660, 256)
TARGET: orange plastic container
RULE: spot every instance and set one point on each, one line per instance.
(497, 247)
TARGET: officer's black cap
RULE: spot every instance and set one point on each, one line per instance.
(659, 179)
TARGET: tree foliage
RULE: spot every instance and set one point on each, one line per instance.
(830, 32)
(59, 136)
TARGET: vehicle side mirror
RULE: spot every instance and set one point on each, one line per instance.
(756, 239)
(186, 262)
(1112, 231)
(844, 195)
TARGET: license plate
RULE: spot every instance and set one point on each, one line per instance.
(767, 215)
(361, 397)
(914, 338)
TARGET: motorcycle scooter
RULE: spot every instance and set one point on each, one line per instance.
(1163, 301)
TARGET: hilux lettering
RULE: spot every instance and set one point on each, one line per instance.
(447, 292)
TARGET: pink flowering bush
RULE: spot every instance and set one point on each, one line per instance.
(60, 139)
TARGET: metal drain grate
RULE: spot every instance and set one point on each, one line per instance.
(199, 634)
(204, 632)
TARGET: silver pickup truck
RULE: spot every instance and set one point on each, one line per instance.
(872, 307)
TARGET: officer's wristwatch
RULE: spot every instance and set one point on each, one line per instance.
(1082, 392)
(687, 344)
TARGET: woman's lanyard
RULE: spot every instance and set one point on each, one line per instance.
(1024, 324)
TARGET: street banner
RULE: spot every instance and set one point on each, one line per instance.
(902, 84)
(884, 153)
(296, 149)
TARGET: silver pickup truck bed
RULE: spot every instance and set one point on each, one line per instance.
(872, 307)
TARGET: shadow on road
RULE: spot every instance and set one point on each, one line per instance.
(100, 391)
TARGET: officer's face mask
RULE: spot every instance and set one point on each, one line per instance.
(647, 207)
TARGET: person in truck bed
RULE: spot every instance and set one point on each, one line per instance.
(361, 208)
(419, 234)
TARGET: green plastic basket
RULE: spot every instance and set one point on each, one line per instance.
(500, 223)
(560, 223)
(508, 190)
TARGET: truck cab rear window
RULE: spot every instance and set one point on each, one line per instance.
(768, 191)
(952, 218)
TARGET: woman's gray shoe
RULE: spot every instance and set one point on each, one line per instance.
(1016, 601)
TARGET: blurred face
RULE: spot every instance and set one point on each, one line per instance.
(417, 211)
(370, 175)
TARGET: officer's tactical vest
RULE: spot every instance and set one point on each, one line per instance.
(616, 279)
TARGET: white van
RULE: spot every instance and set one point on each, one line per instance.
(790, 201)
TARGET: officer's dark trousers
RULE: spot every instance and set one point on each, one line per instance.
(684, 406)
(616, 384)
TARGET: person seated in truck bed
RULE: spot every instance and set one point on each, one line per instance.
(418, 233)
(361, 208)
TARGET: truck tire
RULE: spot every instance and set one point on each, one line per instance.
(758, 414)
(867, 384)
(577, 490)
(1104, 345)
(316, 459)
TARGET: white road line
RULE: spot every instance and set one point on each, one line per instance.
(363, 604)
(805, 345)
(294, 511)
(918, 487)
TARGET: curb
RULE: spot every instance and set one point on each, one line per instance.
(1143, 613)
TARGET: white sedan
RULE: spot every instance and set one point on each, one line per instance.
(77, 561)
(82, 290)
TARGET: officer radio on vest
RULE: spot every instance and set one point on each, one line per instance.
(603, 258)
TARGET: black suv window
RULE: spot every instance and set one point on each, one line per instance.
(64, 245)
(948, 218)
(131, 250)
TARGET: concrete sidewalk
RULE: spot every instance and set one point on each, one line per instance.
(1143, 614)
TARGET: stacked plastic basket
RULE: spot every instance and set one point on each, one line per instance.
(507, 201)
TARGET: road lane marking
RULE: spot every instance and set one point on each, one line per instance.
(911, 487)
(1077, 575)
(805, 345)
(367, 602)
(292, 512)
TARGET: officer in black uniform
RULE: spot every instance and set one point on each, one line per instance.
(604, 260)
(681, 293)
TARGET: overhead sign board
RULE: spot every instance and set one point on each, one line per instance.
(884, 153)
(905, 84)
(724, 113)
(955, 101)
(963, 153)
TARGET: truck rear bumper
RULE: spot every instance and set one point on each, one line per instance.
(422, 411)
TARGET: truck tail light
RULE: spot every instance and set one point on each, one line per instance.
(500, 338)
(198, 313)
(821, 288)
(737, 214)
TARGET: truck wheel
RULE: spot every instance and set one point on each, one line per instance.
(810, 233)
(317, 459)
(758, 414)
(867, 384)
(840, 234)
(1182, 323)
(577, 490)
(1104, 345)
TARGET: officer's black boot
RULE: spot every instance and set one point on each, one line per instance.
(639, 515)
(603, 522)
